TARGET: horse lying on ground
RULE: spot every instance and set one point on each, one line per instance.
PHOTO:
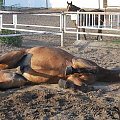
(89, 19)
(48, 65)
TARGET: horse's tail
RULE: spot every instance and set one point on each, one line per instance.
(11, 59)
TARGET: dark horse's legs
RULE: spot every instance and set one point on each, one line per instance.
(99, 37)
(83, 29)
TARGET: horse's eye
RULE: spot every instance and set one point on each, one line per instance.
(79, 75)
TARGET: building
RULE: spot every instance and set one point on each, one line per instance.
(61, 3)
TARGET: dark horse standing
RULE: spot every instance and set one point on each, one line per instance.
(71, 7)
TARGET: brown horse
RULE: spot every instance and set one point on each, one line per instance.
(48, 65)
(71, 7)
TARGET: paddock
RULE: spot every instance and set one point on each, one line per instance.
(51, 102)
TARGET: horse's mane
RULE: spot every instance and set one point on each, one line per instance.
(76, 8)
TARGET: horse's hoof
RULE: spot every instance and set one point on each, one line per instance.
(85, 88)
(99, 39)
(70, 70)
(69, 85)
(65, 84)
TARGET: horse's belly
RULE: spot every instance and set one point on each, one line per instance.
(43, 75)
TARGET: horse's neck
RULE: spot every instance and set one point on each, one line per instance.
(108, 75)
(76, 8)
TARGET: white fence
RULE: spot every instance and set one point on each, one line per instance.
(111, 22)
(87, 20)
(22, 27)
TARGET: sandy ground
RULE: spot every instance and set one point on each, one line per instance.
(49, 102)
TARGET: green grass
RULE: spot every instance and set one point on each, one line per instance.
(1, 2)
(116, 41)
(14, 41)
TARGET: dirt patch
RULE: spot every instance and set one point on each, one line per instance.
(40, 102)
(46, 102)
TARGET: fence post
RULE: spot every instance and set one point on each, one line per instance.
(15, 21)
(62, 27)
(78, 24)
(1, 22)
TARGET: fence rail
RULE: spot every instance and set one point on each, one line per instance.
(87, 20)
(25, 27)
(83, 20)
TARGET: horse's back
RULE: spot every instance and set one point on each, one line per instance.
(97, 10)
(48, 57)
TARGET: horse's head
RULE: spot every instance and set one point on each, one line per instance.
(71, 7)
(81, 71)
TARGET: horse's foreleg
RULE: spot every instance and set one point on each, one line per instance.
(79, 79)
(75, 79)
(83, 29)
(99, 36)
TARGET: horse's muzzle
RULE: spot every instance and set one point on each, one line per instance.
(65, 84)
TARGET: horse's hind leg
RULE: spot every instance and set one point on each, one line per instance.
(11, 59)
(9, 79)
(83, 29)
(99, 37)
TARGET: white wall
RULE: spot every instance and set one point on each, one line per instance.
(61, 3)
(86, 3)
(26, 3)
(114, 3)
(57, 3)
(79, 3)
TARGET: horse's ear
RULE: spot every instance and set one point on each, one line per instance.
(67, 2)
(68, 63)
(74, 59)
(71, 2)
